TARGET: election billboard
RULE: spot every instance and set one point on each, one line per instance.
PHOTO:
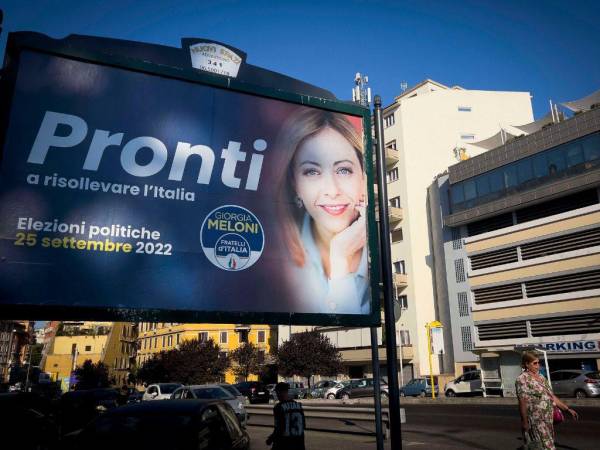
(135, 190)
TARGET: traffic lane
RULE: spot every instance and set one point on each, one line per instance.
(497, 422)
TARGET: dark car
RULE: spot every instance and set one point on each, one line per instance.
(365, 387)
(173, 425)
(77, 408)
(29, 418)
(254, 391)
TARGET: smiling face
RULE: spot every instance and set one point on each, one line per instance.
(329, 180)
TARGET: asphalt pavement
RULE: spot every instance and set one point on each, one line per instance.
(447, 426)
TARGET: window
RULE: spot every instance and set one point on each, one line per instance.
(261, 356)
(164, 340)
(395, 202)
(404, 337)
(203, 336)
(468, 368)
(223, 337)
(574, 155)
(170, 340)
(459, 269)
(464, 109)
(391, 144)
(155, 342)
(392, 175)
(470, 190)
(467, 339)
(399, 267)
(389, 120)
(556, 162)
(456, 238)
(524, 170)
(403, 301)
(463, 304)
(397, 235)
(88, 348)
(178, 337)
(243, 336)
(261, 336)
(591, 148)
(467, 137)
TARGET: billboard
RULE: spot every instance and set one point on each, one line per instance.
(161, 194)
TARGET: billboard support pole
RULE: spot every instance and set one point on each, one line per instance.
(377, 387)
(386, 270)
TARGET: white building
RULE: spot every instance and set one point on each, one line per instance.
(425, 128)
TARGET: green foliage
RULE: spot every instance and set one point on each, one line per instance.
(246, 360)
(90, 375)
(308, 353)
(193, 362)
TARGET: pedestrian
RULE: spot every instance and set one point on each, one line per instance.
(537, 404)
(288, 433)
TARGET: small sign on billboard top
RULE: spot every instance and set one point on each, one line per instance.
(215, 58)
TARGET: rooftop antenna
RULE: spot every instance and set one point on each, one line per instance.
(403, 86)
(361, 93)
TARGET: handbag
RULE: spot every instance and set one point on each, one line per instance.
(557, 415)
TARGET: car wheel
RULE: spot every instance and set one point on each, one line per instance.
(330, 396)
(580, 394)
(345, 397)
(450, 393)
(402, 394)
(422, 394)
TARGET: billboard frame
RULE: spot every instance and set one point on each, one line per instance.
(34, 42)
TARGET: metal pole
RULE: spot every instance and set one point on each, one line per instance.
(386, 272)
(377, 386)
(429, 352)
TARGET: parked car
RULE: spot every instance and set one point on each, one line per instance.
(576, 383)
(321, 387)
(160, 391)
(254, 391)
(365, 387)
(29, 419)
(215, 392)
(418, 387)
(135, 396)
(332, 391)
(469, 383)
(77, 408)
(173, 425)
(297, 390)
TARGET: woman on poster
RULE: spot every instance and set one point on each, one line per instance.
(322, 211)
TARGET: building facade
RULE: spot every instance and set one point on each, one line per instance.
(15, 338)
(527, 214)
(156, 337)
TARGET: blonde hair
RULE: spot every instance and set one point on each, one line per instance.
(295, 131)
(528, 357)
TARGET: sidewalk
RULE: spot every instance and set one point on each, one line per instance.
(590, 402)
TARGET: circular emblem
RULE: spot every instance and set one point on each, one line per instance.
(232, 238)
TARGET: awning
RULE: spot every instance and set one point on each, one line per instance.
(585, 103)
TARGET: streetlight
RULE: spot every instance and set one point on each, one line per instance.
(437, 327)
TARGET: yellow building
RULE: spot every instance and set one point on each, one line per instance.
(156, 337)
(112, 343)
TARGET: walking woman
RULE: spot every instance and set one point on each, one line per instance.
(536, 405)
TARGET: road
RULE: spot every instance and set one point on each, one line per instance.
(448, 427)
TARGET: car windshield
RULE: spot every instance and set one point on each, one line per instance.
(211, 392)
(168, 388)
(231, 389)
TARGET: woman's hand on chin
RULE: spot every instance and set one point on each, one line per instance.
(346, 244)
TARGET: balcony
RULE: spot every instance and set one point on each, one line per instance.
(394, 214)
(400, 280)
(392, 156)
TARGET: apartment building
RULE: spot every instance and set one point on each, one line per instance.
(526, 217)
(156, 337)
(72, 343)
(425, 129)
(15, 338)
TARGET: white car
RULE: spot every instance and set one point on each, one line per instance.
(215, 392)
(469, 383)
(330, 393)
(160, 391)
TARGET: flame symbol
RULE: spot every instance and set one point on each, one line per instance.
(232, 264)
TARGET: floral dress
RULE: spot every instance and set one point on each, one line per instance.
(540, 406)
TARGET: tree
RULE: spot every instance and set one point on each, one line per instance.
(308, 353)
(90, 375)
(193, 362)
(246, 359)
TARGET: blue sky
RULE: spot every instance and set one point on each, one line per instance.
(549, 48)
